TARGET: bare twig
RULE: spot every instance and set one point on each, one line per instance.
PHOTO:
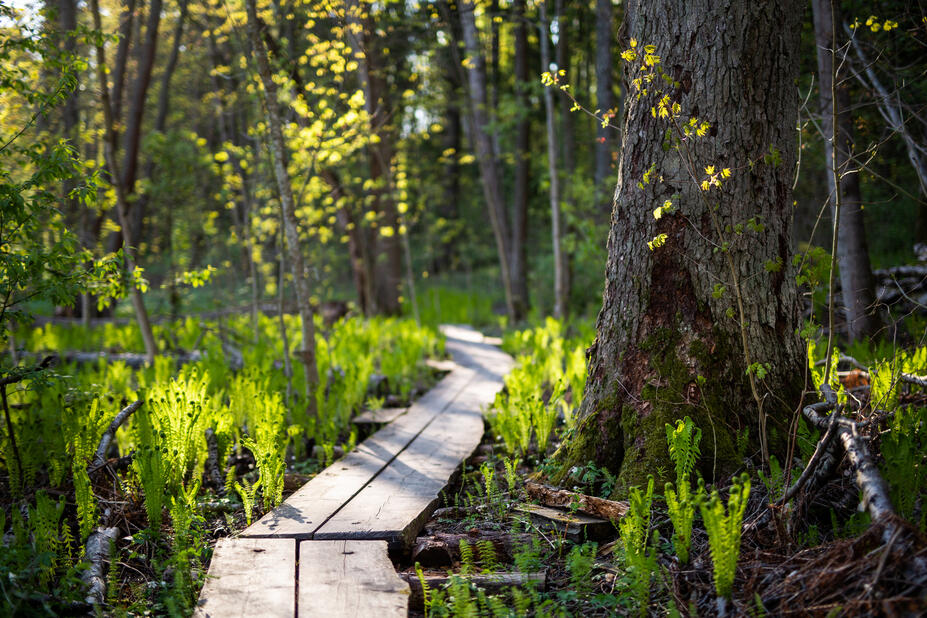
(99, 459)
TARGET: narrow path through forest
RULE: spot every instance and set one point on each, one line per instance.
(325, 550)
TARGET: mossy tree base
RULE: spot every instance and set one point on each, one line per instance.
(669, 335)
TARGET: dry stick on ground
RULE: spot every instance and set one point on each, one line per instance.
(99, 459)
(96, 553)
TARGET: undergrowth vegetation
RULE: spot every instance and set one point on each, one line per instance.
(166, 470)
(645, 565)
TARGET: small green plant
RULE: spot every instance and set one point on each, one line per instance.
(511, 473)
(683, 440)
(635, 532)
(579, 563)
(724, 528)
(247, 491)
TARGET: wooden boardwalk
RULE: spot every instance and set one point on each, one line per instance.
(324, 551)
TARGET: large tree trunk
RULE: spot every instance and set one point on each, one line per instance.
(856, 280)
(666, 346)
(486, 155)
(287, 205)
(603, 101)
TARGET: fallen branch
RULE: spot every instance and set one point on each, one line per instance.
(212, 462)
(99, 459)
(96, 553)
(553, 496)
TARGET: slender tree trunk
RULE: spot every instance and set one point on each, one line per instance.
(522, 152)
(670, 340)
(387, 248)
(141, 313)
(556, 232)
(295, 256)
(164, 96)
(567, 150)
(139, 95)
(120, 72)
(492, 186)
(857, 282)
(604, 143)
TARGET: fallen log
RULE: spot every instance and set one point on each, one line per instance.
(554, 496)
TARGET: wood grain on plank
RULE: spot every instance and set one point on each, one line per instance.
(398, 502)
(349, 578)
(380, 416)
(307, 509)
(250, 577)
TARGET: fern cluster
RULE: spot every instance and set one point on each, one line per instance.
(723, 525)
(635, 533)
(683, 441)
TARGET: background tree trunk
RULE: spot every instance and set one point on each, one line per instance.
(522, 152)
(485, 153)
(554, 193)
(295, 256)
(665, 346)
(856, 280)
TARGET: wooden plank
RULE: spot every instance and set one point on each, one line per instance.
(307, 509)
(577, 527)
(250, 577)
(398, 502)
(348, 579)
(440, 365)
(378, 417)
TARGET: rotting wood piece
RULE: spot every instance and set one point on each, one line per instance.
(250, 577)
(576, 527)
(554, 496)
(489, 582)
(443, 548)
(349, 578)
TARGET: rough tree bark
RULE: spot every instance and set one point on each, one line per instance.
(603, 101)
(856, 280)
(666, 346)
(294, 255)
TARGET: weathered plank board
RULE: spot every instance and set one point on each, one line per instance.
(398, 502)
(577, 527)
(381, 416)
(319, 499)
(349, 578)
(250, 577)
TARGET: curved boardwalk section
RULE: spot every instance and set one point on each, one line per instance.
(324, 551)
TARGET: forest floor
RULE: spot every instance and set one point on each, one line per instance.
(815, 556)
